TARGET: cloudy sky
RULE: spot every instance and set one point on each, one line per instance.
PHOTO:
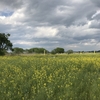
(70, 24)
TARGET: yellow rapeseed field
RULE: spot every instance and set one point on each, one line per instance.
(50, 77)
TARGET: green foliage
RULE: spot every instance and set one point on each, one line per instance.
(53, 52)
(86, 83)
(5, 43)
(38, 50)
(57, 50)
(70, 51)
(2, 53)
(17, 50)
(65, 77)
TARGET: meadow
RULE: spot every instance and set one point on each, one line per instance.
(50, 77)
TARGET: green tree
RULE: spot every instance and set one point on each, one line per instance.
(17, 50)
(5, 43)
(57, 50)
(37, 50)
(70, 51)
(29, 50)
(42, 50)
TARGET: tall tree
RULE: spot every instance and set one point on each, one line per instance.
(5, 43)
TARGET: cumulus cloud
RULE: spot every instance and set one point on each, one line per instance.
(71, 24)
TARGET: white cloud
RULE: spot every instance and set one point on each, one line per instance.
(15, 19)
(23, 42)
(2, 18)
(90, 42)
(45, 32)
(94, 15)
(77, 1)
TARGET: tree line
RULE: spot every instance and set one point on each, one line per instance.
(6, 45)
(18, 50)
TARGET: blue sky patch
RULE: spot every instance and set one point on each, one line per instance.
(6, 13)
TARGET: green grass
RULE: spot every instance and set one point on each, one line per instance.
(50, 77)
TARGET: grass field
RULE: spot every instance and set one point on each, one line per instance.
(50, 77)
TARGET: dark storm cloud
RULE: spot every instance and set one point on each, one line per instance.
(96, 2)
(88, 37)
(89, 15)
(44, 11)
(54, 12)
(95, 24)
(97, 17)
(13, 4)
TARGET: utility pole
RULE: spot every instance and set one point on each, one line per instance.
(44, 52)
